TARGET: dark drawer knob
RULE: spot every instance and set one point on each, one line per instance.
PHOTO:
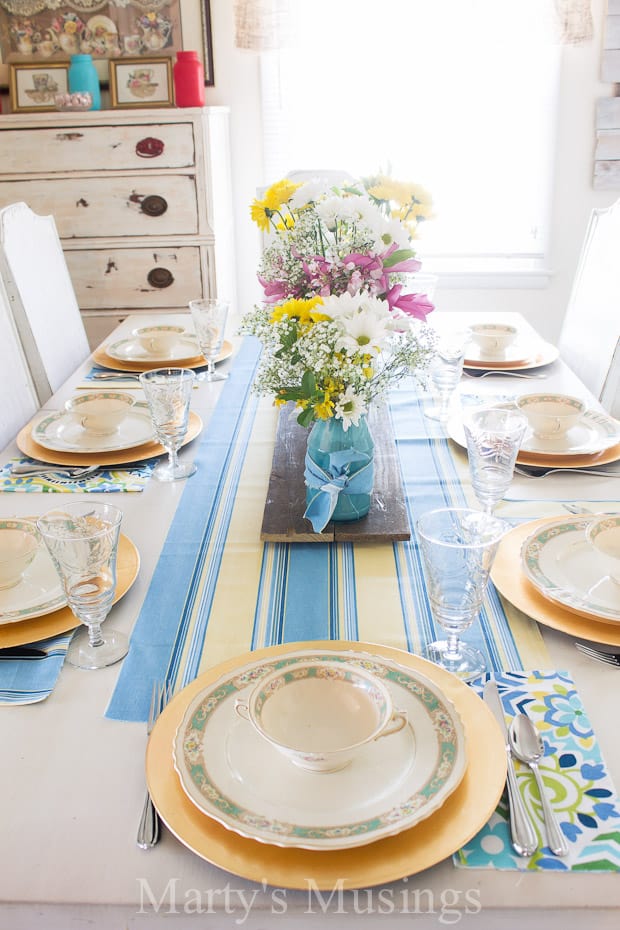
(153, 205)
(149, 147)
(160, 277)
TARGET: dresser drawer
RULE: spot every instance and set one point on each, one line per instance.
(97, 148)
(132, 205)
(140, 278)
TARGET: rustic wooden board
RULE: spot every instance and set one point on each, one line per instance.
(283, 519)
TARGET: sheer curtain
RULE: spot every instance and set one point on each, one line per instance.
(459, 97)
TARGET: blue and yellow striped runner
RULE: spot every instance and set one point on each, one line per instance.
(218, 592)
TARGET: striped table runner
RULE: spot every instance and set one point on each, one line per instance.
(217, 591)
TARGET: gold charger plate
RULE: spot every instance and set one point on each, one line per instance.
(101, 357)
(462, 815)
(510, 581)
(61, 621)
(548, 353)
(27, 445)
(550, 460)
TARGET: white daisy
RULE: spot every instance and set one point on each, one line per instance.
(367, 331)
(349, 408)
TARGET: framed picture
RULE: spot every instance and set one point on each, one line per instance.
(52, 30)
(141, 82)
(33, 87)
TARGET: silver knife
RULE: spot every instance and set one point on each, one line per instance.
(524, 840)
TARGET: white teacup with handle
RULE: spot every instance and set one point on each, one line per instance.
(100, 413)
(551, 415)
(320, 714)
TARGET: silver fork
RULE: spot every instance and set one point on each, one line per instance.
(148, 828)
(526, 471)
(508, 374)
(608, 658)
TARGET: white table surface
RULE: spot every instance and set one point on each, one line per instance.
(72, 787)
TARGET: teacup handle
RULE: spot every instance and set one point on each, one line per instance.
(241, 708)
(398, 720)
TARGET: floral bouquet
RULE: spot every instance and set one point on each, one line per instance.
(337, 325)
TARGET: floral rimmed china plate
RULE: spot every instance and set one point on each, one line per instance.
(516, 354)
(566, 569)
(230, 773)
(61, 432)
(540, 354)
(38, 593)
(595, 432)
(130, 350)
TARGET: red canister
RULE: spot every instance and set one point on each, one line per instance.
(189, 80)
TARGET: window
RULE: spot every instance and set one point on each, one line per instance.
(460, 97)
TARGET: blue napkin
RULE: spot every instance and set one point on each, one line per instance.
(26, 681)
(335, 481)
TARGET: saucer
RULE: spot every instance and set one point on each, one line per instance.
(516, 354)
(595, 432)
(61, 432)
(130, 350)
(39, 592)
(561, 564)
(539, 354)
(241, 780)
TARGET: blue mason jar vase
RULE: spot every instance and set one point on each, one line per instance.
(83, 77)
(328, 437)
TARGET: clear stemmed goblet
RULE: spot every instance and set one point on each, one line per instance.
(209, 316)
(82, 539)
(493, 438)
(445, 371)
(168, 393)
(457, 547)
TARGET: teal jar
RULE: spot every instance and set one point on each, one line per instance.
(347, 457)
(83, 77)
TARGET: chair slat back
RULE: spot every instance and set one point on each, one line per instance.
(18, 399)
(41, 295)
(591, 327)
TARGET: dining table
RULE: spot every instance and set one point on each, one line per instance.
(73, 772)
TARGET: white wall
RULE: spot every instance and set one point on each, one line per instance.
(237, 86)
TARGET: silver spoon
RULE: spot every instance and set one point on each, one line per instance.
(527, 745)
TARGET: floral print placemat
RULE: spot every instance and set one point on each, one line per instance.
(130, 478)
(580, 789)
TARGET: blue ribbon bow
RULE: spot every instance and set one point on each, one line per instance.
(335, 481)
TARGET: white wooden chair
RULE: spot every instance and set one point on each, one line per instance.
(41, 297)
(18, 399)
(590, 335)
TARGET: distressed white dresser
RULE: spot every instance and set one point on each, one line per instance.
(141, 200)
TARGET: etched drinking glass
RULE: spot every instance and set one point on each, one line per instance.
(493, 439)
(458, 547)
(82, 539)
(445, 371)
(209, 316)
(168, 393)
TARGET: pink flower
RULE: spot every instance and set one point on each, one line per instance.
(416, 305)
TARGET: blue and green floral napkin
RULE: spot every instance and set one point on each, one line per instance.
(581, 791)
(129, 478)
